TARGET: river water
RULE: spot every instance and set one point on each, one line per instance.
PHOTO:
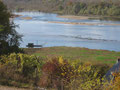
(39, 30)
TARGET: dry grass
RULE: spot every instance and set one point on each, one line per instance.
(11, 88)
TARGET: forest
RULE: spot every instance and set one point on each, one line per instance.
(72, 7)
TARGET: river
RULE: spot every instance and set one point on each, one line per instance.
(39, 30)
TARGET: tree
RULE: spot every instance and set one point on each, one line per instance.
(76, 8)
(9, 38)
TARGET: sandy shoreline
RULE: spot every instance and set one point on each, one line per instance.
(76, 17)
(91, 24)
(26, 18)
(82, 18)
(73, 23)
(73, 17)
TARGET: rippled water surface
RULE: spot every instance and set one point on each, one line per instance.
(39, 30)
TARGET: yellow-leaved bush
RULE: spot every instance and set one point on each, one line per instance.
(72, 75)
(19, 68)
(57, 73)
(86, 77)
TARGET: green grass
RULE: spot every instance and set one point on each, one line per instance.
(76, 53)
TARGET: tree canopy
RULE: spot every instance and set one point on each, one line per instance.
(73, 7)
(9, 38)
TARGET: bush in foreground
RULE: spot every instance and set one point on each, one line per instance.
(62, 74)
(57, 73)
(16, 69)
(23, 70)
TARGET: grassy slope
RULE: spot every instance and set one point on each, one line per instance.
(76, 53)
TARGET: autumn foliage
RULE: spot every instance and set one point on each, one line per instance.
(56, 73)
(23, 70)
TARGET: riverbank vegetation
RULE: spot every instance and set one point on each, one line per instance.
(73, 7)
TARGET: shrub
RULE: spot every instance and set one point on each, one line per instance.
(56, 73)
(20, 68)
(72, 75)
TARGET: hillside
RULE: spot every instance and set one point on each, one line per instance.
(74, 7)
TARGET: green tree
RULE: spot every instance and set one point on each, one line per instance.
(76, 8)
(9, 38)
(1, 28)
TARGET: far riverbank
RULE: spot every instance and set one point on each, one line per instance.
(84, 17)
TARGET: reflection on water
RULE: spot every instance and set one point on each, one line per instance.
(39, 31)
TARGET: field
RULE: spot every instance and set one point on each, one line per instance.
(76, 53)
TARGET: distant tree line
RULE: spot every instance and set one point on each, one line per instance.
(102, 8)
(77, 7)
